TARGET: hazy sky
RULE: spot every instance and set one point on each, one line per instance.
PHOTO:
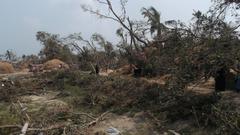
(21, 19)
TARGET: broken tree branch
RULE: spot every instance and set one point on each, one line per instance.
(35, 129)
(24, 129)
(97, 120)
(173, 132)
(85, 114)
(123, 24)
(11, 126)
(116, 18)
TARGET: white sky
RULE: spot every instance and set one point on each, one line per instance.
(21, 19)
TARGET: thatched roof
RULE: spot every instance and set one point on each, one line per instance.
(6, 68)
(55, 64)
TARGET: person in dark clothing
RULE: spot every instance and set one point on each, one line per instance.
(237, 79)
(220, 80)
(60, 81)
(97, 69)
(30, 66)
(237, 84)
(137, 72)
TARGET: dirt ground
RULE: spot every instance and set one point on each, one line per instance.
(136, 125)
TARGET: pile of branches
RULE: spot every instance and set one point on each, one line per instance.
(223, 116)
(11, 88)
(123, 94)
(70, 123)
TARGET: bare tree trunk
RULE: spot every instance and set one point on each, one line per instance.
(124, 25)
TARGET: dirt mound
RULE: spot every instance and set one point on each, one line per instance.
(55, 64)
(6, 68)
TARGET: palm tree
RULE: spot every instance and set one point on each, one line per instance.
(154, 18)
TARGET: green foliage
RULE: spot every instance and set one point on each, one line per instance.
(6, 117)
(154, 19)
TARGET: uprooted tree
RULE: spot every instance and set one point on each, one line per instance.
(189, 52)
(186, 51)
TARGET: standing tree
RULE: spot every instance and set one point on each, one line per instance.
(10, 55)
(154, 18)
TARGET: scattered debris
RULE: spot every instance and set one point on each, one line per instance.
(113, 131)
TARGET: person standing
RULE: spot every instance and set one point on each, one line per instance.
(97, 69)
(237, 83)
(60, 81)
(237, 79)
(220, 80)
